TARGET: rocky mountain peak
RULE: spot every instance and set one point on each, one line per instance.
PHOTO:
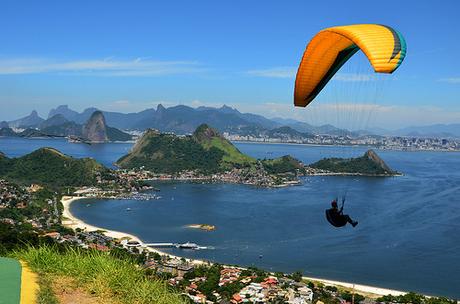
(95, 129)
(371, 155)
(63, 110)
(160, 108)
(30, 120)
(205, 132)
(227, 109)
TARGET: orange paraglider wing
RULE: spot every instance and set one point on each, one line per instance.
(332, 47)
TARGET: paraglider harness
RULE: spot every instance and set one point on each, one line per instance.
(334, 220)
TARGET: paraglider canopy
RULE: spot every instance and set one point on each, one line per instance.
(332, 47)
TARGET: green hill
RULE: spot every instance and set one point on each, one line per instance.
(50, 167)
(368, 164)
(209, 138)
(283, 164)
(205, 151)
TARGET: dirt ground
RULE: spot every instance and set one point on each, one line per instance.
(67, 292)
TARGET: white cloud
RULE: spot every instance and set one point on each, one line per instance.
(277, 72)
(290, 72)
(454, 80)
(99, 67)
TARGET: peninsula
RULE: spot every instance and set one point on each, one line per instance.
(207, 155)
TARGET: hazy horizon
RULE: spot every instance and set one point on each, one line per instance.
(315, 122)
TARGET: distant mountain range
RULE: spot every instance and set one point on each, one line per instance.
(184, 120)
(181, 120)
(94, 130)
(436, 130)
(29, 121)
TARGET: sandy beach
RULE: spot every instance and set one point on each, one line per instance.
(73, 222)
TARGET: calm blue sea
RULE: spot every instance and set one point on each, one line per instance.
(408, 235)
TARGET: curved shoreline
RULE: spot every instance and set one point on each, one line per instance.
(73, 222)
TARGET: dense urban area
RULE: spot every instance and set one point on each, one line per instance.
(378, 142)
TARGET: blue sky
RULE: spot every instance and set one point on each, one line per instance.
(127, 56)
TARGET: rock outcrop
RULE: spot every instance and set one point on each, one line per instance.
(95, 129)
(371, 155)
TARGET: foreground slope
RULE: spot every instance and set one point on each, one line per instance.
(97, 275)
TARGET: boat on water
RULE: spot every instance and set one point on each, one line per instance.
(128, 209)
(188, 245)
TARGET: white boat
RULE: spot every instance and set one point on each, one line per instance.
(188, 245)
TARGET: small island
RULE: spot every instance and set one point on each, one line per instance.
(205, 227)
(370, 164)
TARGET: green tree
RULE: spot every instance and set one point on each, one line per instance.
(297, 276)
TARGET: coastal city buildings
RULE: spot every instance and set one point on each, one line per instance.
(379, 142)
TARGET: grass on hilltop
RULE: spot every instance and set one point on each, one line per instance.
(232, 154)
(97, 273)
